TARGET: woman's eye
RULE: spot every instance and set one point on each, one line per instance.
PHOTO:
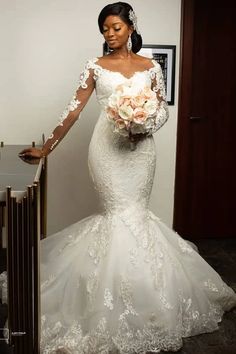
(117, 29)
(104, 30)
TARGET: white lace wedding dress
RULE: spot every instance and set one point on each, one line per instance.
(121, 281)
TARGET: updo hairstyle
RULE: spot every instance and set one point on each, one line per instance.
(120, 9)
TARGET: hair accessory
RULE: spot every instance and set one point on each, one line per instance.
(133, 19)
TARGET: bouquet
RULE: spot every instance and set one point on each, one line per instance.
(132, 110)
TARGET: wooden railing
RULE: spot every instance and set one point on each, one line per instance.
(25, 219)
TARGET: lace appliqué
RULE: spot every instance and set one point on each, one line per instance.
(74, 103)
(226, 294)
(99, 245)
(184, 246)
(134, 257)
(166, 304)
(92, 287)
(162, 113)
(72, 106)
(127, 298)
(146, 240)
(210, 285)
(58, 339)
(157, 76)
(108, 299)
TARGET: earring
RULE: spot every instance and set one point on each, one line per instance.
(129, 43)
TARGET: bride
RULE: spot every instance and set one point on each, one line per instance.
(121, 281)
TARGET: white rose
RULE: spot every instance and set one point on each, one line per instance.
(150, 107)
(125, 112)
(113, 100)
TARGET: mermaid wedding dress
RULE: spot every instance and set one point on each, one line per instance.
(121, 281)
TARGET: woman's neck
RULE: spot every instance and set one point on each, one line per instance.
(122, 53)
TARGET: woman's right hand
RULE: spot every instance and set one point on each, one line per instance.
(31, 153)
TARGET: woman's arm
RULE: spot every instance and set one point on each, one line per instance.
(158, 86)
(68, 117)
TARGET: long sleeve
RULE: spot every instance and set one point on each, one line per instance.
(158, 86)
(71, 113)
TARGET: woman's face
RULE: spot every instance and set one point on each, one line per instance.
(115, 32)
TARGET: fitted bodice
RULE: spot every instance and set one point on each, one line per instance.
(122, 177)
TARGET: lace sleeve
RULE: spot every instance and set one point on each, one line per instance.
(73, 110)
(158, 86)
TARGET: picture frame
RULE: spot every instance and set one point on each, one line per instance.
(165, 55)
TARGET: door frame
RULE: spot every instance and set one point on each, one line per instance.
(184, 109)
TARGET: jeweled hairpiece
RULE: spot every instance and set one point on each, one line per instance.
(133, 19)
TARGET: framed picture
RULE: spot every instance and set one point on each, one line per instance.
(165, 56)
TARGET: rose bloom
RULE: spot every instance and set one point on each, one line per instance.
(139, 100)
(120, 123)
(125, 100)
(112, 113)
(122, 127)
(140, 116)
(113, 100)
(150, 107)
(125, 112)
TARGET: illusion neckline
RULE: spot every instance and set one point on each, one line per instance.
(124, 76)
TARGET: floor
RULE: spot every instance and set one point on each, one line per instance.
(221, 255)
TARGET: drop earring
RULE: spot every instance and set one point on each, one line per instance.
(129, 44)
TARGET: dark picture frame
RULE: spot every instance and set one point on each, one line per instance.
(165, 55)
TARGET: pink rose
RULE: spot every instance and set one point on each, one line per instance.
(125, 101)
(121, 124)
(140, 116)
(112, 113)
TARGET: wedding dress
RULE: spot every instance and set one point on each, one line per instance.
(121, 281)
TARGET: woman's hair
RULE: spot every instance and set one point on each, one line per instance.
(120, 9)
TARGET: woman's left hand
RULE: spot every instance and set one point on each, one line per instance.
(31, 153)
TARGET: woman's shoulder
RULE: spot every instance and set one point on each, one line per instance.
(105, 59)
(150, 63)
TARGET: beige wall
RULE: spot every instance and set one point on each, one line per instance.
(44, 45)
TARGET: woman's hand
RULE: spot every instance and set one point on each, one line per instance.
(31, 153)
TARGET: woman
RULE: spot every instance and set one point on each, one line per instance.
(122, 281)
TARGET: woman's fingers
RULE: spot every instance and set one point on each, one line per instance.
(31, 152)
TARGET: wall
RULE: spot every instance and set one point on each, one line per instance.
(44, 45)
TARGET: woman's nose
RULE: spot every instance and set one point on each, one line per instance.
(110, 33)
